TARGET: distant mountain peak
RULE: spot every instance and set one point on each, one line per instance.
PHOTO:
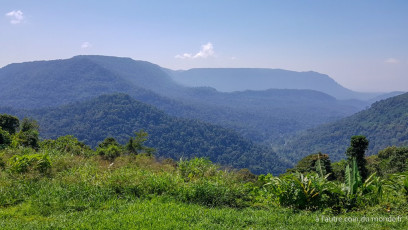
(240, 79)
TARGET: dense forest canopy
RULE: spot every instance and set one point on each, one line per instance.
(120, 116)
(265, 117)
(384, 124)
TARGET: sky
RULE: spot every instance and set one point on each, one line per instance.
(363, 45)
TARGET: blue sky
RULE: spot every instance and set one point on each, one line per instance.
(363, 45)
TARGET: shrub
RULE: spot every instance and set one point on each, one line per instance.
(28, 135)
(5, 139)
(9, 123)
(246, 175)
(68, 145)
(339, 170)
(215, 193)
(196, 168)
(2, 163)
(109, 153)
(300, 191)
(136, 145)
(30, 162)
(318, 162)
(393, 160)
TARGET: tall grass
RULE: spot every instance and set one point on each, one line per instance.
(94, 186)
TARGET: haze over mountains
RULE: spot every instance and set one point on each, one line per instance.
(249, 112)
(240, 79)
(260, 116)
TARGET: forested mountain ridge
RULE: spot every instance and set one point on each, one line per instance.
(240, 79)
(120, 116)
(142, 74)
(50, 83)
(384, 124)
(265, 116)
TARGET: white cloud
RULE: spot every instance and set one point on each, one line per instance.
(392, 61)
(206, 51)
(16, 16)
(86, 45)
(184, 56)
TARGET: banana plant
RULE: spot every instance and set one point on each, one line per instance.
(353, 178)
(305, 183)
(319, 168)
(372, 189)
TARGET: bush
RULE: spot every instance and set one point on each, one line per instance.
(28, 135)
(110, 152)
(339, 170)
(196, 168)
(393, 160)
(300, 191)
(136, 145)
(5, 139)
(2, 163)
(213, 193)
(9, 123)
(68, 145)
(30, 162)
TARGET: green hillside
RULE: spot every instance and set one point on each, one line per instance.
(265, 116)
(384, 124)
(50, 83)
(120, 116)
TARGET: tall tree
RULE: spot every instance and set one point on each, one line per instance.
(28, 134)
(136, 145)
(9, 123)
(4, 139)
(358, 146)
(107, 142)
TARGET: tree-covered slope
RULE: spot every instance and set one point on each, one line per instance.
(119, 116)
(384, 124)
(50, 83)
(140, 73)
(264, 116)
(270, 115)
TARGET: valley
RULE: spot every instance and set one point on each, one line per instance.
(267, 118)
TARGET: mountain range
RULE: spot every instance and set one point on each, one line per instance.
(241, 79)
(266, 116)
(94, 97)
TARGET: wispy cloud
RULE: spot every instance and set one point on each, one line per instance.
(183, 56)
(392, 61)
(206, 51)
(86, 45)
(16, 16)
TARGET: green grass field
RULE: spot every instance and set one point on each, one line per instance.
(63, 184)
(137, 192)
(161, 213)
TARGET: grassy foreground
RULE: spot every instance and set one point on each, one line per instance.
(64, 184)
(168, 214)
(138, 192)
